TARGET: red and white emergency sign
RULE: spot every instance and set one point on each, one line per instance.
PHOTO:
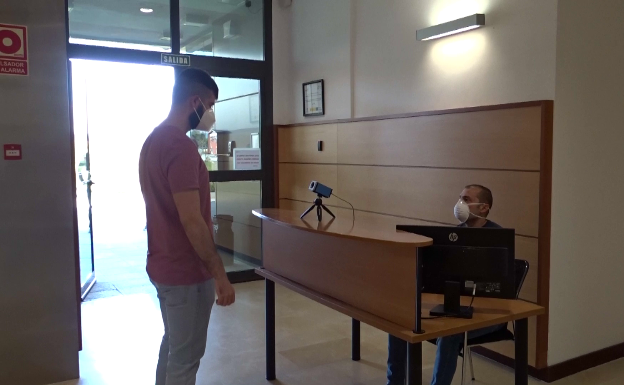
(12, 152)
(13, 50)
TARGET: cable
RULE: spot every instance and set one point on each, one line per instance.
(347, 202)
(474, 292)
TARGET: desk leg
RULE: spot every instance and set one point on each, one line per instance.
(270, 330)
(522, 352)
(414, 364)
(355, 339)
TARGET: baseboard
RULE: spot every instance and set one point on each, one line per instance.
(507, 361)
(565, 369)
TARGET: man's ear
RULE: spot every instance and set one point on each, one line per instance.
(485, 208)
(195, 102)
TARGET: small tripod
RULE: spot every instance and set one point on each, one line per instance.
(318, 203)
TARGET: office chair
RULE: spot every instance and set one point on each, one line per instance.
(521, 269)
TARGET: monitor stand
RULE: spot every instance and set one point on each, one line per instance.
(451, 307)
(440, 311)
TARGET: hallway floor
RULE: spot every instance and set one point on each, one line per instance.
(122, 335)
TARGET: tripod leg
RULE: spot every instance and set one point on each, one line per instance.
(307, 211)
(319, 213)
(326, 209)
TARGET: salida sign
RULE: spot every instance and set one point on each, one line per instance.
(13, 50)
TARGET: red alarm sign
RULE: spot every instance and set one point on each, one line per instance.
(13, 50)
(12, 152)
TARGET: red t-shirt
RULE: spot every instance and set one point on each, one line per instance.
(169, 164)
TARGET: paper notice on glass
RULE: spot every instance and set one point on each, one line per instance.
(247, 159)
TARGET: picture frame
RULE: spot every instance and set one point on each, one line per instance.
(314, 98)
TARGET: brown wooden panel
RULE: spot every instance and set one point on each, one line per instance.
(295, 179)
(299, 144)
(501, 139)
(427, 194)
(378, 278)
(526, 248)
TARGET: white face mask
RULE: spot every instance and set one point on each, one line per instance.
(462, 211)
(207, 120)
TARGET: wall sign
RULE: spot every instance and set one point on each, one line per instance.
(13, 50)
(247, 159)
(12, 152)
(175, 60)
(314, 98)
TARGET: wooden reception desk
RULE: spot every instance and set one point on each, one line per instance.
(369, 272)
(356, 263)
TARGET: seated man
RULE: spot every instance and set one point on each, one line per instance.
(472, 210)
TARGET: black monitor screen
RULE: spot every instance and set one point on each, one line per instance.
(484, 256)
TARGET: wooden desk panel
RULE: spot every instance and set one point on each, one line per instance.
(377, 277)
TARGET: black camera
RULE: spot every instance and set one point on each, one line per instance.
(320, 189)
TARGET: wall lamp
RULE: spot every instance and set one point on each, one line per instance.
(452, 27)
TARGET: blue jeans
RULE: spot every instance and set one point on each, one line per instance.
(185, 312)
(446, 356)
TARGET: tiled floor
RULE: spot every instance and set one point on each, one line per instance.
(122, 335)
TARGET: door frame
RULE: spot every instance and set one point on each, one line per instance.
(261, 70)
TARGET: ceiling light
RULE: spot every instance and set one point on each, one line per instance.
(147, 10)
(452, 27)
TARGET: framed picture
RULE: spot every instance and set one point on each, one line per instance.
(314, 98)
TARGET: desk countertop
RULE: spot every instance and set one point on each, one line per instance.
(342, 227)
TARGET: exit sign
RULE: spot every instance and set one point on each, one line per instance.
(176, 60)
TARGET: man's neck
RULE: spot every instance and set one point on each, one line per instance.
(177, 120)
(476, 222)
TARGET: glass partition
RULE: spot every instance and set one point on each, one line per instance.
(237, 127)
(237, 230)
(223, 28)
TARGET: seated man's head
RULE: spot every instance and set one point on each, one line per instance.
(474, 204)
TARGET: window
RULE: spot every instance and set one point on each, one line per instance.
(224, 28)
(130, 24)
(238, 121)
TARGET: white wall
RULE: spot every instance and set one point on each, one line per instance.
(281, 63)
(318, 48)
(587, 253)
(366, 50)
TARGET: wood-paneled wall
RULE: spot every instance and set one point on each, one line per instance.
(410, 169)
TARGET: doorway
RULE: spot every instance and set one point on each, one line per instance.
(115, 108)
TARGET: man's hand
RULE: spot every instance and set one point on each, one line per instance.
(225, 292)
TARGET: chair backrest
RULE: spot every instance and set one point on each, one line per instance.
(521, 269)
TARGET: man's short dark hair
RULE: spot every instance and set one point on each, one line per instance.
(485, 194)
(191, 82)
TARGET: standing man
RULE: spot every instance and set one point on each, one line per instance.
(472, 209)
(182, 259)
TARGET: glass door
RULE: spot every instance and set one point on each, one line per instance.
(83, 183)
(232, 41)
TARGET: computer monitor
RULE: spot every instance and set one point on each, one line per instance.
(461, 257)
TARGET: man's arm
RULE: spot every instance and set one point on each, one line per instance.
(200, 236)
